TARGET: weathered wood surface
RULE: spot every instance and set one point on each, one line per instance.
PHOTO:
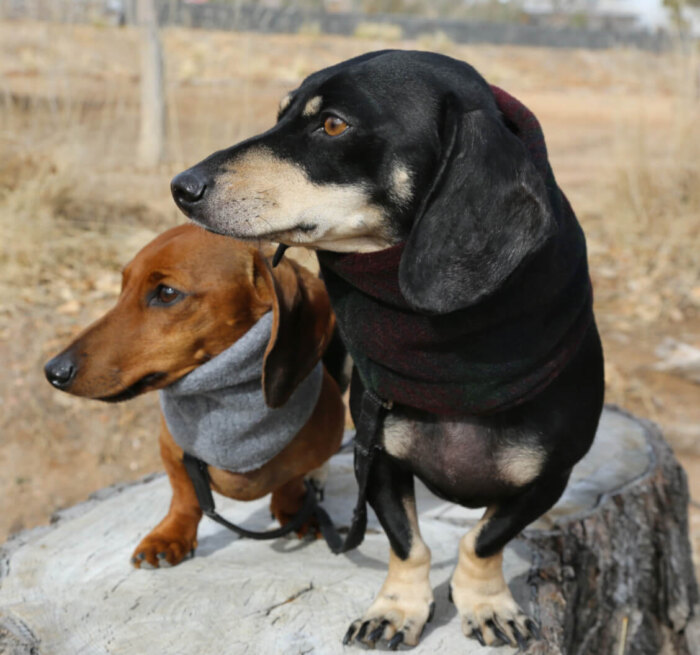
(606, 572)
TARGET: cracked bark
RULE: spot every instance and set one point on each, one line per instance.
(620, 579)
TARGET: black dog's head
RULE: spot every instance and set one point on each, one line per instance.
(388, 147)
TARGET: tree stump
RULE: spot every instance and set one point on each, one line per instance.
(607, 571)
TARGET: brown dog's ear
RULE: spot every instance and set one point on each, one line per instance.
(302, 326)
(486, 214)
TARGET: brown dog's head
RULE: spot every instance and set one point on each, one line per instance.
(186, 297)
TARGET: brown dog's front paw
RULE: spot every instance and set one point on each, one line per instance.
(161, 550)
(308, 530)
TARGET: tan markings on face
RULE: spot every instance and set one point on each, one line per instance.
(401, 189)
(284, 103)
(312, 106)
(261, 196)
(520, 464)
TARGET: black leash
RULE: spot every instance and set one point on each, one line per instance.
(197, 470)
(367, 433)
(366, 447)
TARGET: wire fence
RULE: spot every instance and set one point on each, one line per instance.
(247, 16)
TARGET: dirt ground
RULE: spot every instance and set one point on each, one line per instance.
(75, 206)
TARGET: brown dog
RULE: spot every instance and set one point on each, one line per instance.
(186, 297)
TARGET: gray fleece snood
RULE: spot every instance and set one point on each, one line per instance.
(218, 412)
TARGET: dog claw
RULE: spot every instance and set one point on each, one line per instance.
(496, 629)
(138, 560)
(361, 632)
(519, 637)
(396, 641)
(377, 633)
(147, 565)
(532, 628)
(349, 635)
(476, 633)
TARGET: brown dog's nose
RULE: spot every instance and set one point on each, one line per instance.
(60, 371)
(188, 188)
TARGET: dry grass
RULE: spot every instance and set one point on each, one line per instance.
(74, 207)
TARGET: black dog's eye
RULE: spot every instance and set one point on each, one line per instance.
(165, 295)
(334, 126)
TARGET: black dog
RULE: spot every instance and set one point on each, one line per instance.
(459, 277)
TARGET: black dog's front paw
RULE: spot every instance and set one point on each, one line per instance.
(392, 621)
(494, 620)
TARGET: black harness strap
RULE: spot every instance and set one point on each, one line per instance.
(367, 444)
(279, 253)
(366, 447)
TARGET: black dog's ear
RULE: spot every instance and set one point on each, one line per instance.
(486, 213)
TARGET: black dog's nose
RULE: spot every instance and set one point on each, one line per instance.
(188, 187)
(60, 371)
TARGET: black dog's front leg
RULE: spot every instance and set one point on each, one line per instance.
(405, 602)
(478, 588)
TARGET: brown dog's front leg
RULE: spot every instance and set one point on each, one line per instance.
(175, 537)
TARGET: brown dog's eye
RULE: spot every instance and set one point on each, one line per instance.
(334, 126)
(165, 295)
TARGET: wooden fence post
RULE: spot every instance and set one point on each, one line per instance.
(152, 132)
